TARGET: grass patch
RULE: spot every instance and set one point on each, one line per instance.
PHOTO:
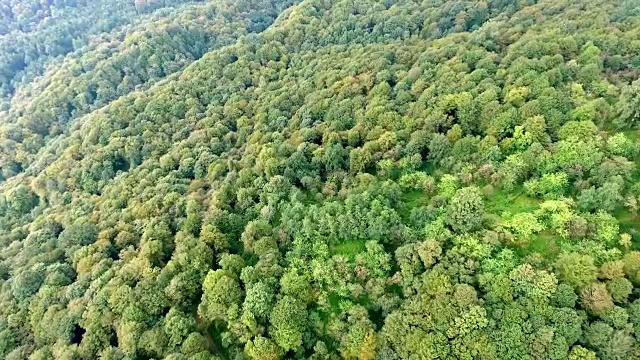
(513, 202)
(414, 198)
(500, 202)
(334, 303)
(411, 200)
(632, 134)
(629, 223)
(545, 244)
(348, 248)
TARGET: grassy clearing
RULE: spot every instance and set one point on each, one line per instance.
(632, 134)
(500, 202)
(348, 248)
(545, 244)
(629, 223)
(414, 198)
(334, 303)
(514, 202)
(411, 200)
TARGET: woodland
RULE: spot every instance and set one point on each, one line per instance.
(320, 179)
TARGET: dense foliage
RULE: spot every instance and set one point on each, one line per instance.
(452, 179)
(34, 32)
(117, 64)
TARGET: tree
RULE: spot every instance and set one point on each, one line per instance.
(220, 291)
(524, 225)
(178, 325)
(611, 270)
(616, 317)
(576, 270)
(7, 341)
(609, 343)
(79, 234)
(295, 285)
(605, 198)
(288, 321)
(634, 315)
(580, 353)
(448, 185)
(356, 335)
(533, 284)
(187, 186)
(632, 266)
(27, 283)
(620, 289)
(262, 348)
(375, 260)
(259, 300)
(549, 186)
(620, 145)
(194, 343)
(334, 157)
(567, 323)
(439, 148)
(466, 210)
(193, 222)
(408, 260)
(577, 227)
(629, 104)
(213, 237)
(21, 199)
(429, 252)
(595, 298)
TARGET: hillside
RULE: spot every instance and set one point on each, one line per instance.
(451, 179)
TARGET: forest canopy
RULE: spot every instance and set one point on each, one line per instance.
(313, 179)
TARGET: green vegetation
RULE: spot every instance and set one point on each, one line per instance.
(265, 180)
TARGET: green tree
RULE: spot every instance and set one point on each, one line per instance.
(620, 289)
(466, 210)
(262, 348)
(580, 353)
(576, 270)
(632, 266)
(195, 343)
(259, 300)
(220, 291)
(595, 298)
(21, 199)
(27, 283)
(178, 325)
(288, 320)
(7, 341)
(629, 102)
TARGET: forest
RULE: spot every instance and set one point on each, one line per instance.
(320, 179)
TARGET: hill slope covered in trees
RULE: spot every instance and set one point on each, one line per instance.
(452, 179)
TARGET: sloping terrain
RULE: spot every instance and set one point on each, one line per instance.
(116, 64)
(360, 180)
(34, 33)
